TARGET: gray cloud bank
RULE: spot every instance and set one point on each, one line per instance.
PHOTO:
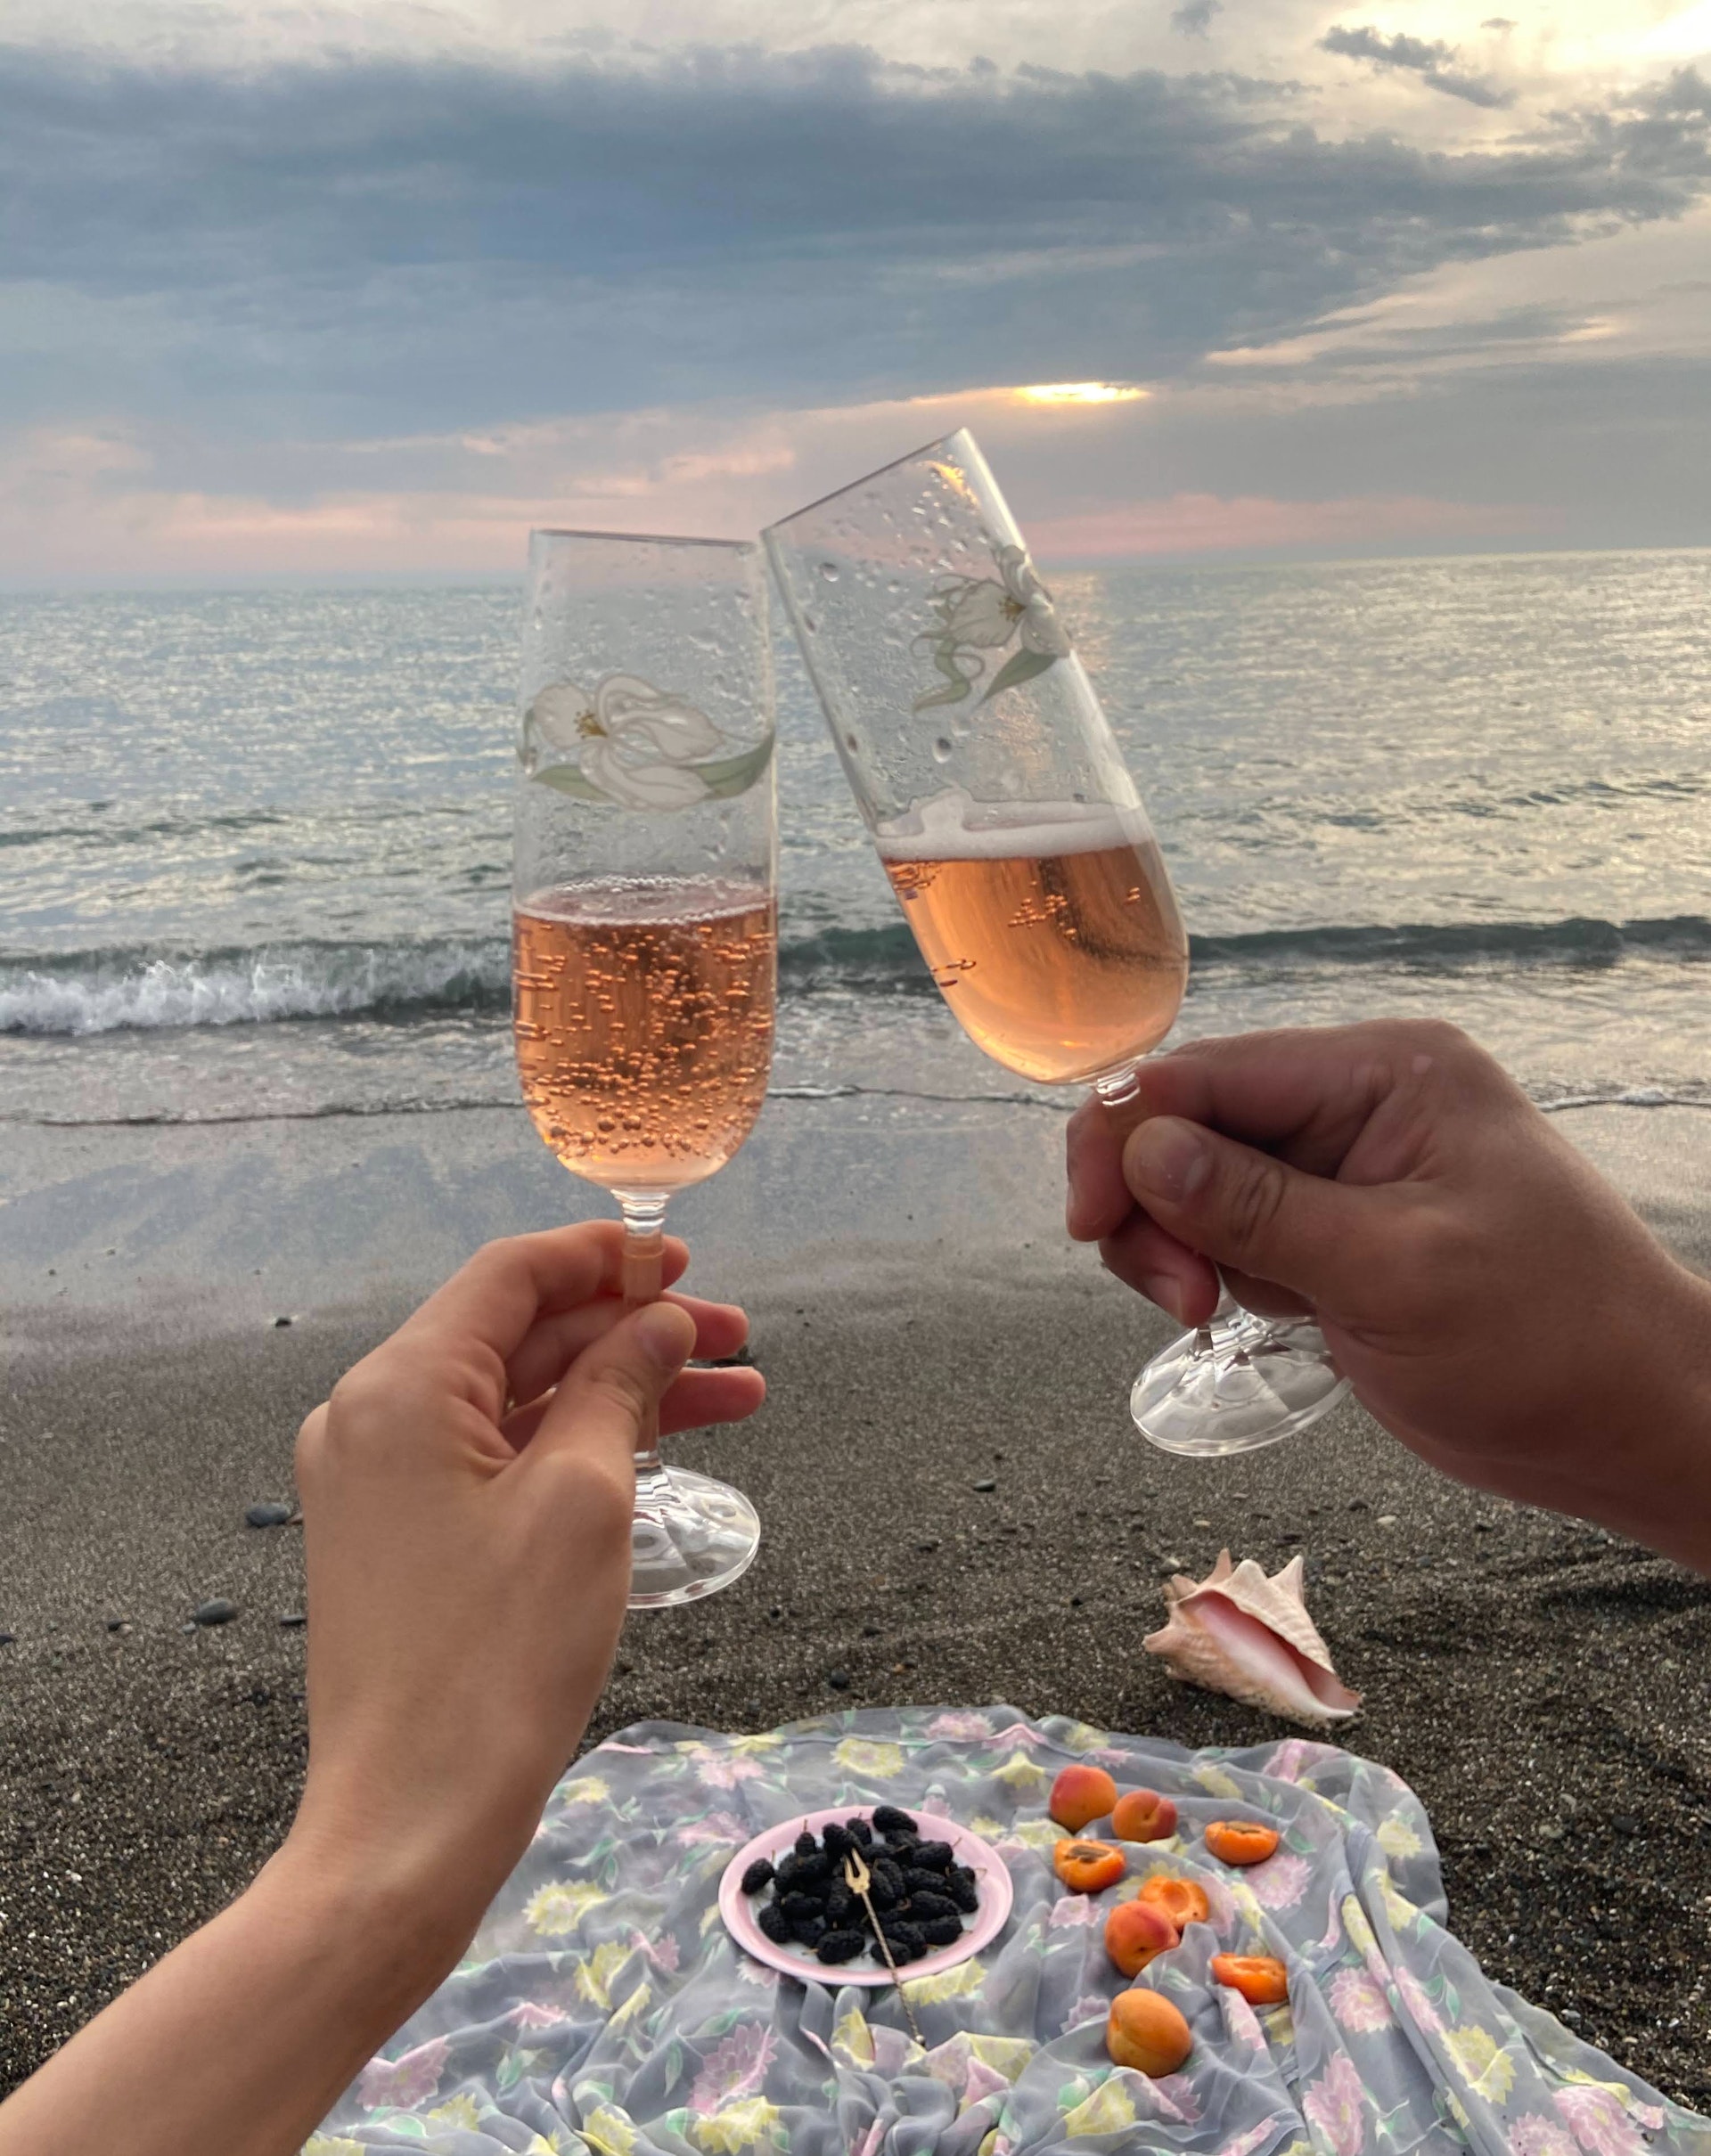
(384, 246)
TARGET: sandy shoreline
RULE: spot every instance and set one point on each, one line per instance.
(1544, 1687)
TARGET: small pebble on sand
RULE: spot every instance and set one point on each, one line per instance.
(216, 1611)
(269, 1515)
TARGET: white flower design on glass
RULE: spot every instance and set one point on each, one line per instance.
(981, 614)
(639, 747)
(637, 743)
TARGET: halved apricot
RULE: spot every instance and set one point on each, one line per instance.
(1086, 1866)
(1261, 1980)
(1183, 1901)
(1240, 1840)
(1080, 1795)
(1146, 2032)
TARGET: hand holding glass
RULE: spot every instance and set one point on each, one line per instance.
(1016, 842)
(645, 922)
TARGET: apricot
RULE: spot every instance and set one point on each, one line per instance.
(1261, 1980)
(1086, 1866)
(1241, 1841)
(1183, 1901)
(1135, 1932)
(1080, 1795)
(1143, 1814)
(1145, 2031)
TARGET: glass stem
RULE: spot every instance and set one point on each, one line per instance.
(1224, 1330)
(644, 1229)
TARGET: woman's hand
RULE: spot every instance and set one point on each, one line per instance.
(469, 1558)
(466, 1499)
(1498, 1306)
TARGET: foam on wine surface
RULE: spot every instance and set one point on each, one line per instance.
(1050, 928)
(643, 1019)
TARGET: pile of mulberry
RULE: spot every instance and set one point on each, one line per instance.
(919, 1893)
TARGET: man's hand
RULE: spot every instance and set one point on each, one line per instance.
(1497, 1305)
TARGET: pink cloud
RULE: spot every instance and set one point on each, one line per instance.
(99, 501)
(1213, 524)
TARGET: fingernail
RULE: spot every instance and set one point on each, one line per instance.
(1163, 1289)
(1167, 1156)
(666, 1333)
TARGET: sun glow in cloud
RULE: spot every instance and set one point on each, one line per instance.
(1082, 393)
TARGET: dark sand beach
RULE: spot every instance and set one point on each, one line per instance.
(924, 1328)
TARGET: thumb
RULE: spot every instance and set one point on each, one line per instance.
(613, 1389)
(1247, 1211)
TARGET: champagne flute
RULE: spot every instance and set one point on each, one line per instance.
(645, 925)
(1016, 842)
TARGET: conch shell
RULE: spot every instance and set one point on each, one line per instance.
(1239, 1633)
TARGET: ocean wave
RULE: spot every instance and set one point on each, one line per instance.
(73, 993)
(100, 991)
(1451, 946)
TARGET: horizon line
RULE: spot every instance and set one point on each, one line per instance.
(435, 580)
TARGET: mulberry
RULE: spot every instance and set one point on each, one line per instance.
(840, 1946)
(960, 1885)
(889, 1820)
(798, 1907)
(842, 1907)
(861, 1832)
(906, 1941)
(933, 1856)
(943, 1931)
(805, 1844)
(887, 1884)
(838, 1840)
(928, 1905)
(759, 1875)
(775, 1924)
(810, 1932)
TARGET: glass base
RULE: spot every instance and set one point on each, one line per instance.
(1239, 1383)
(690, 1537)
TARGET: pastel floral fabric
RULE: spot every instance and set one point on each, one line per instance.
(604, 2012)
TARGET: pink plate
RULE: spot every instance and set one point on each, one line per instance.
(738, 1909)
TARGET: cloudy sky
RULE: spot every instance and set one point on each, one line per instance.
(370, 289)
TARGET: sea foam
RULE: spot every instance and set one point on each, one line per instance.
(104, 991)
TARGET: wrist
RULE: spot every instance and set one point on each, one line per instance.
(1649, 1474)
(403, 1892)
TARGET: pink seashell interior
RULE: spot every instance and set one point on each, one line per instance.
(1250, 1637)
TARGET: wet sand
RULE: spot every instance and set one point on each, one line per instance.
(923, 1327)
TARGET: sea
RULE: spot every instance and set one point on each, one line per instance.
(255, 845)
